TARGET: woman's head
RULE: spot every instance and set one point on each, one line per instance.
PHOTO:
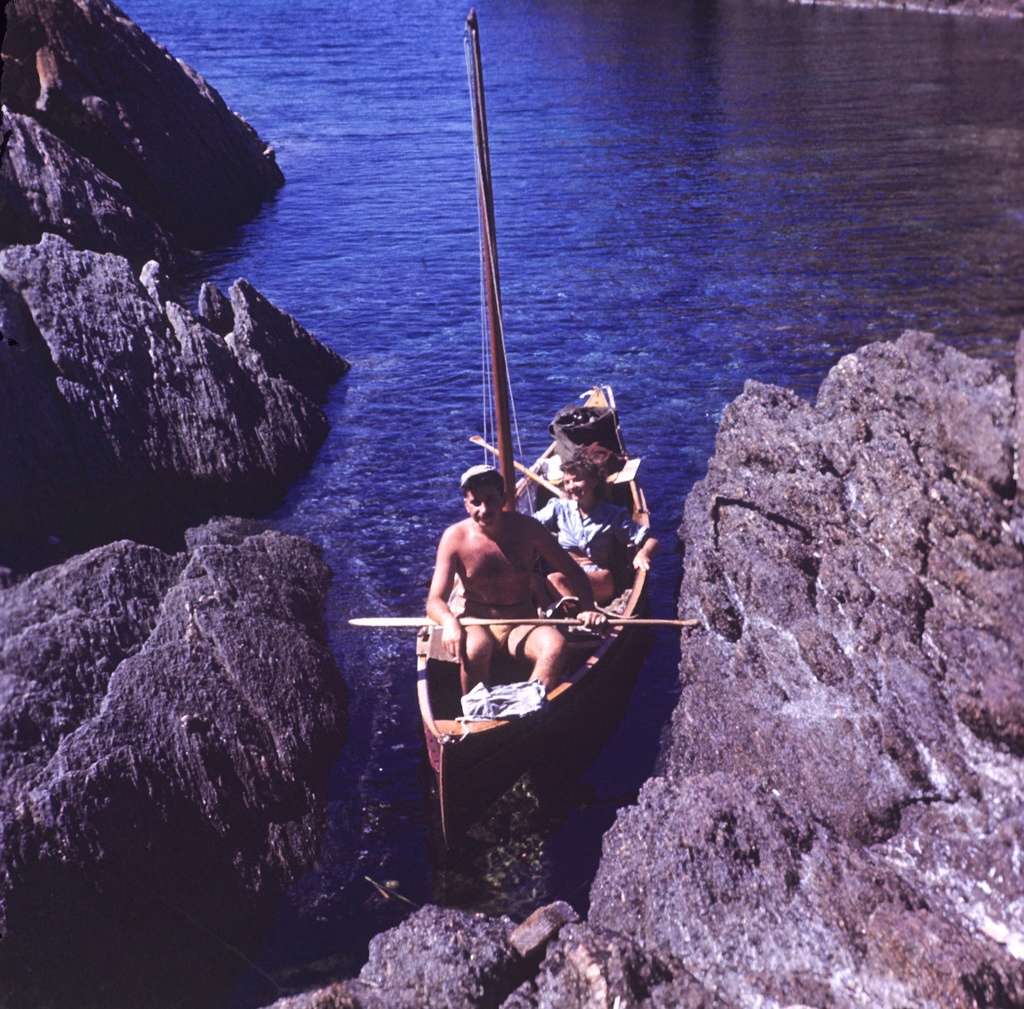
(592, 464)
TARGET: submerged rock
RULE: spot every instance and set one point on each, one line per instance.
(126, 416)
(47, 186)
(843, 789)
(93, 78)
(165, 733)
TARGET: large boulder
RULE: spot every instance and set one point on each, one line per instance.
(127, 415)
(167, 726)
(588, 967)
(437, 957)
(47, 186)
(842, 793)
(457, 960)
(91, 76)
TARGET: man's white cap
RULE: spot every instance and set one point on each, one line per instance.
(478, 471)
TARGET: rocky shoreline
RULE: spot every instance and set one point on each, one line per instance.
(129, 415)
(836, 819)
(136, 416)
(169, 708)
(838, 815)
(842, 784)
(167, 727)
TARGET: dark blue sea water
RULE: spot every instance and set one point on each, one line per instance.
(688, 195)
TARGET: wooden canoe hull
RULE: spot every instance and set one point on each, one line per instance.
(474, 765)
(473, 770)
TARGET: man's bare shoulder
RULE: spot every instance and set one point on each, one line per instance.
(456, 534)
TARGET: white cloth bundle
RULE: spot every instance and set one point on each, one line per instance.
(507, 700)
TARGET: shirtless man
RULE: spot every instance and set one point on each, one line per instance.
(493, 552)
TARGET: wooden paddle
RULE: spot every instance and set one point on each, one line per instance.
(525, 621)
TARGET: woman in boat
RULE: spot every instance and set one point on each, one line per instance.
(594, 531)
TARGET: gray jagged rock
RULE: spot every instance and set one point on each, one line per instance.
(91, 76)
(455, 960)
(47, 186)
(167, 727)
(445, 958)
(128, 417)
(279, 345)
(214, 309)
(588, 967)
(840, 796)
(437, 957)
(766, 908)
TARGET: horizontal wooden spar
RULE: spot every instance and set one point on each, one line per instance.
(535, 477)
(624, 475)
(519, 621)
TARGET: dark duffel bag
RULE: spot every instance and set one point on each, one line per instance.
(584, 425)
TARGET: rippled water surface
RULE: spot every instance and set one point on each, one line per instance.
(688, 196)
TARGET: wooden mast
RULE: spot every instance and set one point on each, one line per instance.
(489, 265)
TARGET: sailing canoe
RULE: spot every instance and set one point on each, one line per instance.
(474, 763)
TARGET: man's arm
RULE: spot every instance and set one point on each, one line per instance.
(440, 589)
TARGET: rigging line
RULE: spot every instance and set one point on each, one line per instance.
(486, 398)
(515, 432)
(486, 364)
(495, 287)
